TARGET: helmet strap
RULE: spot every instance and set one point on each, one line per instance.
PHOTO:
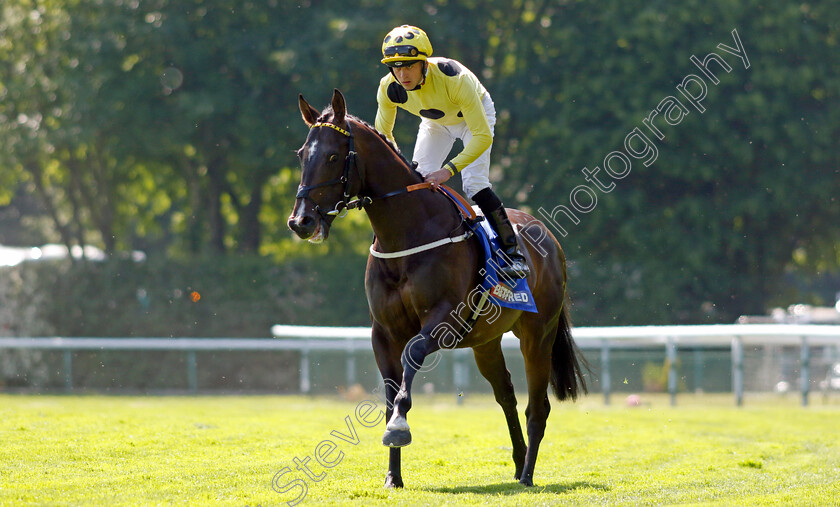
(423, 73)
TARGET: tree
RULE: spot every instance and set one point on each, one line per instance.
(171, 127)
(708, 230)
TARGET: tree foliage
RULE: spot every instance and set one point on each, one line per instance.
(170, 127)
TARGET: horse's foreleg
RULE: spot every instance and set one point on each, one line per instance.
(388, 361)
(397, 432)
(491, 364)
(393, 479)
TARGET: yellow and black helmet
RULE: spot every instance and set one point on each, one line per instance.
(405, 45)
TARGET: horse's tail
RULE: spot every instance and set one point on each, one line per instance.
(567, 362)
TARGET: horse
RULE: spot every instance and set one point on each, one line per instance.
(422, 275)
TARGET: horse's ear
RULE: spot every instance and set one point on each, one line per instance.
(339, 107)
(309, 113)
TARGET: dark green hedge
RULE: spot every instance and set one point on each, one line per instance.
(239, 296)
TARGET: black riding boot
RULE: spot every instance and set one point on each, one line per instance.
(494, 211)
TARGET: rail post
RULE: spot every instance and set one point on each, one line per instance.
(805, 370)
(68, 370)
(738, 370)
(351, 362)
(305, 383)
(605, 370)
(671, 354)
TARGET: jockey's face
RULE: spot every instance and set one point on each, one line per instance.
(409, 76)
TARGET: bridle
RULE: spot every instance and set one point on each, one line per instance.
(363, 200)
(349, 164)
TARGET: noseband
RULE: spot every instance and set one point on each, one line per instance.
(349, 162)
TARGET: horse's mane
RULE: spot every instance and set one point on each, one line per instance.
(328, 112)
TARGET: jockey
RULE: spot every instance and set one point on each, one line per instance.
(452, 104)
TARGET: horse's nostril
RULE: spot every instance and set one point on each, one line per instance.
(302, 225)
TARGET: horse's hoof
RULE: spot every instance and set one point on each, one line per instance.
(526, 482)
(393, 482)
(396, 438)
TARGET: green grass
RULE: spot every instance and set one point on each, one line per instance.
(96, 450)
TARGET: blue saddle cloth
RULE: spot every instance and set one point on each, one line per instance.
(507, 292)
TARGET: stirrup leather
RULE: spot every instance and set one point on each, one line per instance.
(515, 265)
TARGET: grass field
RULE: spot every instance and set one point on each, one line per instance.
(96, 450)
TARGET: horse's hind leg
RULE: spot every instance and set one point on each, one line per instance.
(491, 364)
(536, 349)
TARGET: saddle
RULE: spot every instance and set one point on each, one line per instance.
(507, 292)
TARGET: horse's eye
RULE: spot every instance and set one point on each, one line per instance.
(333, 157)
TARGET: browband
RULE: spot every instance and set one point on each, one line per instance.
(330, 125)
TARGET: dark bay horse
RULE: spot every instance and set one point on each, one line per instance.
(421, 296)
